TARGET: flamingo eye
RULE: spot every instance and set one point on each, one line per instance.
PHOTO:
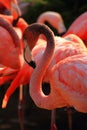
(46, 88)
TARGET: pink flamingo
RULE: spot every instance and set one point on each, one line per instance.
(19, 28)
(75, 65)
(54, 19)
(78, 27)
(12, 45)
(72, 39)
(68, 46)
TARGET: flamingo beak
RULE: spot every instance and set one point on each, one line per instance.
(27, 53)
(28, 57)
(15, 10)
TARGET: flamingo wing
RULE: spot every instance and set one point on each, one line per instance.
(70, 77)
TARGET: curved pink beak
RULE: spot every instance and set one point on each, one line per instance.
(15, 10)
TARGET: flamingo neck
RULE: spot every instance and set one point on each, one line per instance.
(12, 5)
(40, 99)
(11, 31)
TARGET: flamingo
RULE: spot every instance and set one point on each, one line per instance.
(68, 46)
(19, 28)
(16, 51)
(78, 27)
(72, 39)
(12, 6)
(54, 19)
(61, 79)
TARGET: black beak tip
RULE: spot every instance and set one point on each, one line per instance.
(32, 64)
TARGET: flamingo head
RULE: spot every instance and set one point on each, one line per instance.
(12, 6)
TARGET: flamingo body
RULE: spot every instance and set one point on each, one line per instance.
(63, 49)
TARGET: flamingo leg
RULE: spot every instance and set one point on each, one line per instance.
(53, 120)
(20, 108)
(69, 112)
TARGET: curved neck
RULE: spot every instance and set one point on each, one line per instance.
(36, 92)
(11, 31)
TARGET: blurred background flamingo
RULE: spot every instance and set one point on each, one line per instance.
(54, 19)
